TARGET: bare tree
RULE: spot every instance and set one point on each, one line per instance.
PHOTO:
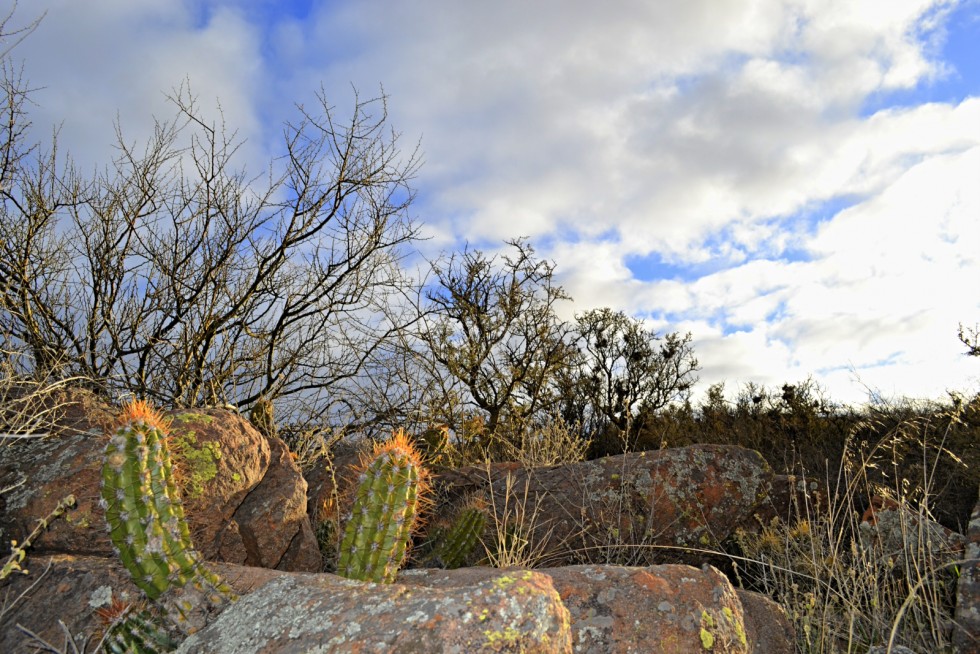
(177, 276)
(627, 368)
(492, 328)
(970, 337)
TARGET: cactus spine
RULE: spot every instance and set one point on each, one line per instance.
(393, 485)
(144, 512)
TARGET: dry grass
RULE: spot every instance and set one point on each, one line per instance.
(515, 541)
(850, 584)
(553, 443)
(28, 408)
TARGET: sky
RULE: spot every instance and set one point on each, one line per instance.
(794, 182)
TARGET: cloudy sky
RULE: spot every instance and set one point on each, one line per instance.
(795, 182)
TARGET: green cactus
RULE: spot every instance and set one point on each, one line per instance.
(393, 484)
(137, 632)
(457, 542)
(144, 512)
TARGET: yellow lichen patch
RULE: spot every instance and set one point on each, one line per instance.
(707, 638)
(195, 463)
(736, 625)
(507, 636)
(193, 417)
(503, 582)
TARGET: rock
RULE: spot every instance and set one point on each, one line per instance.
(791, 498)
(73, 589)
(39, 472)
(768, 626)
(587, 608)
(669, 608)
(272, 520)
(228, 461)
(622, 508)
(244, 497)
(504, 612)
(966, 632)
(299, 612)
(891, 530)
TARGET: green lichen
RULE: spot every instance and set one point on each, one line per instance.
(198, 463)
(507, 636)
(707, 638)
(184, 418)
(503, 582)
(736, 625)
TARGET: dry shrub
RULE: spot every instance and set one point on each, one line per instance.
(554, 443)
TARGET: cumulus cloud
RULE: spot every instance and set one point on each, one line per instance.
(732, 168)
(104, 62)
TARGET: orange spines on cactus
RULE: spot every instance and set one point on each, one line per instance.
(142, 411)
(144, 512)
(393, 487)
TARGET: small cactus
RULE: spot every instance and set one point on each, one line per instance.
(457, 542)
(137, 632)
(393, 485)
(144, 512)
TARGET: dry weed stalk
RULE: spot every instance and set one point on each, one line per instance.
(849, 585)
(515, 541)
(28, 406)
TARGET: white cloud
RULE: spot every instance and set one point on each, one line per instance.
(107, 60)
(702, 133)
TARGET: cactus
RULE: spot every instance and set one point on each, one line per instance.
(145, 516)
(137, 632)
(457, 542)
(393, 485)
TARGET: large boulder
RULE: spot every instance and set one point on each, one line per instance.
(244, 496)
(502, 612)
(297, 612)
(589, 608)
(632, 507)
(669, 608)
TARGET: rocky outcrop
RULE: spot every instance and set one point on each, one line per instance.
(510, 611)
(247, 504)
(589, 608)
(669, 608)
(642, 502)
(244, 496)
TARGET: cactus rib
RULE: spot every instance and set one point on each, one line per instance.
(392, 486)
(144, 512)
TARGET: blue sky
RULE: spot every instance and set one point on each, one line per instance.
(795, 182)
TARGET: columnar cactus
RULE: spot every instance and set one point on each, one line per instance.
(457, 542)
(393, 485)
(137, 632)
(144, 512)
